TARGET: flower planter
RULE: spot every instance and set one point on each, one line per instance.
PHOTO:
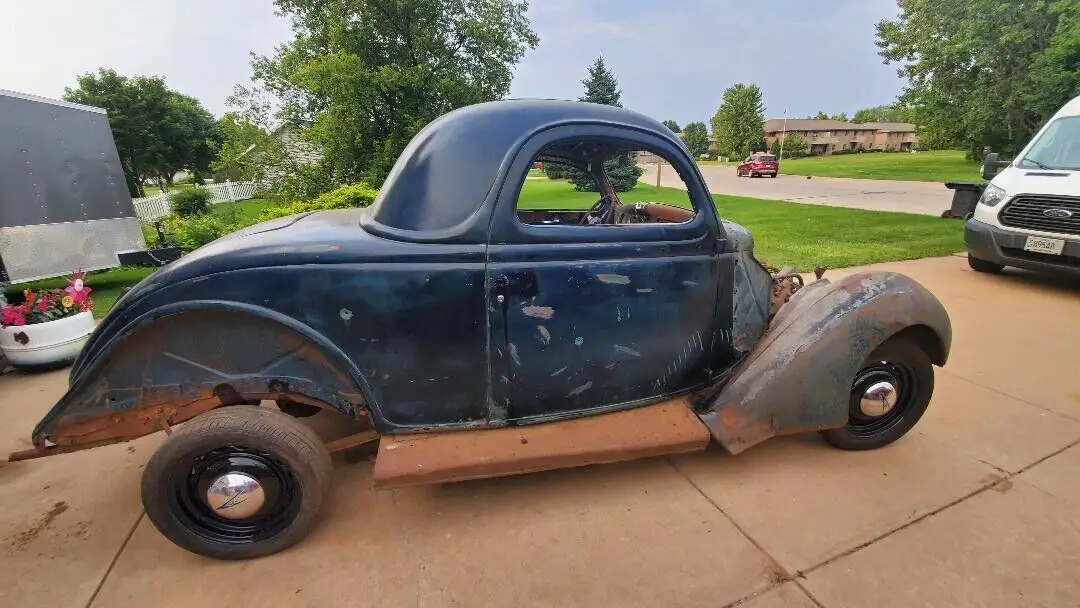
(48, 344)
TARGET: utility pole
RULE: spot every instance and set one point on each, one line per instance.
(783, 136)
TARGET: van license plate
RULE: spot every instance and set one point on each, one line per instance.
(1040, 244)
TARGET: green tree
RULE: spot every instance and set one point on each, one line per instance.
(671, 124)
(1055, 74)
(895, 112)
(157, 131)
(794, 145)
(696, 136)
(367, 75)
(739, 122)
(622, 170)
(821, 116)
(973, 66)
(842, 117)
(240, 140)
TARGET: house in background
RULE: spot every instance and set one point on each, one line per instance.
(297, 152)
(828, 136)
(898, 136)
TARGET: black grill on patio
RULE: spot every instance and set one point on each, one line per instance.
(1029, 211)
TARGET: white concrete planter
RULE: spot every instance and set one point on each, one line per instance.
(46, 344)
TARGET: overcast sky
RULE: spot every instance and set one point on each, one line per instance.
(673, 58)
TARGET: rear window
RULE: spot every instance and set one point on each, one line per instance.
(766, 158)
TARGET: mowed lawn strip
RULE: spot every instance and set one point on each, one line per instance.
(933, 166)
(791, 233)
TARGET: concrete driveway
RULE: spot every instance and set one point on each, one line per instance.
(979, 506)
(877, 195)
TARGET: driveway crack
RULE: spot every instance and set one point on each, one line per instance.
(116, 558)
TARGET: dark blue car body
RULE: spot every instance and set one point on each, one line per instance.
(438, 308)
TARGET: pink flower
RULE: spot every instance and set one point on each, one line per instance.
(12, 315)
(77, 288)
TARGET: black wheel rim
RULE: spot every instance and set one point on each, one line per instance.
(905, 382)
(190, 480)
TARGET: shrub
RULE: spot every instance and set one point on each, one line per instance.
(193, 232)
(306, 182)
(190, 201)
(622, 171)
(345, 197)
(556, 170)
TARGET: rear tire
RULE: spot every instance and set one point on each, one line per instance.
(906, 368)
(237, 483)
(983, 265)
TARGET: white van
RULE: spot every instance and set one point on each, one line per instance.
(1029, 214)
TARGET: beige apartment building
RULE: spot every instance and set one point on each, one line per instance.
(828, 136)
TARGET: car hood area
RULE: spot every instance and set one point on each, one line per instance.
(1015, 180)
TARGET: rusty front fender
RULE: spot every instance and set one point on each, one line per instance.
(798, 377)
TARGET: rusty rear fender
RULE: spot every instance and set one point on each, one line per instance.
(798, 377)
(180, 360)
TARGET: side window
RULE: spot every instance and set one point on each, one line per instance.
(602, 183)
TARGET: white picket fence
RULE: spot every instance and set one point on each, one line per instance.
(155, 207)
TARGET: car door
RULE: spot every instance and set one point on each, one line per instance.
(589, 318)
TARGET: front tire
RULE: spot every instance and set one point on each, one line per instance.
(889, 394)
(983, 265)
(237, 483)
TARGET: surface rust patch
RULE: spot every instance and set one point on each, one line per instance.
(20, 540)
(668, 427)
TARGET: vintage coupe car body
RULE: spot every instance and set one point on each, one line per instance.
(480, 340)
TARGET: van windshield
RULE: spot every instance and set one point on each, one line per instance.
(1057, 148)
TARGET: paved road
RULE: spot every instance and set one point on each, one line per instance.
(878, 195)
(979, 506)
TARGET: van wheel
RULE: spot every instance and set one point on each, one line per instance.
(889, 394)
(237, 483)
(984, 266)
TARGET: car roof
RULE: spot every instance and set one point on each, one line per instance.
(449, 168)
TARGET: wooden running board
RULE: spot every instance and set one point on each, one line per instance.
(669, 427)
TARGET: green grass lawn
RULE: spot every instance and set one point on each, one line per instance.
(934, 166)
(244, 213)
(791, 233)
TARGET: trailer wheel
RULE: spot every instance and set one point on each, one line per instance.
(889, 394)
(237, 483)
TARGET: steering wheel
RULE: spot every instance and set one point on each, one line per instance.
(602, 208)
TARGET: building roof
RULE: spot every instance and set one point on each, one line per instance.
(892, 127)
(775, 125)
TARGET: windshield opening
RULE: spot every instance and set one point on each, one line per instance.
(1057, 148)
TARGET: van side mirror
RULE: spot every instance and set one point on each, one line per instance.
(992, 164)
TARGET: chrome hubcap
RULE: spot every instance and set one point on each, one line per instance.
(878, 399)
(235, 496)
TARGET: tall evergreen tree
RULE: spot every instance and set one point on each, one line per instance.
(622, 169)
